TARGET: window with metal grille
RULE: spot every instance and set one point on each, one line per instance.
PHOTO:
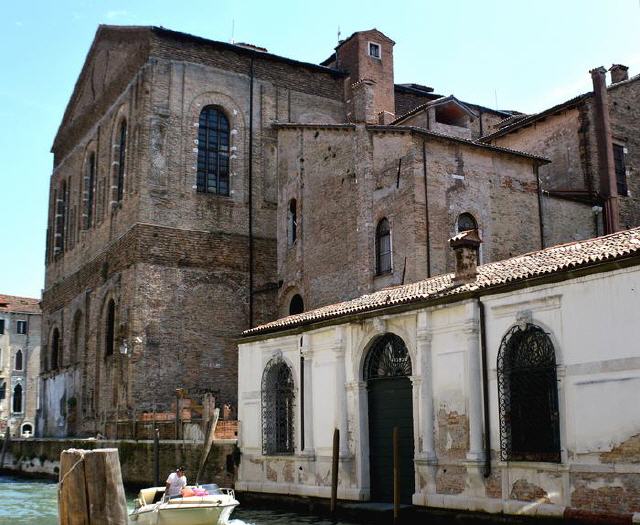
(528, 396)
(383, 247)
(89, 182)
(621, 169)
(466, 222)
(277, 408)
(292, 222)
(213, 152)
(18, 361)
(21, 327)
(110, 328)
(55, 350)
(16, 407)
(122, 158)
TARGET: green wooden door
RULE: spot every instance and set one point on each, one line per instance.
(390, 405)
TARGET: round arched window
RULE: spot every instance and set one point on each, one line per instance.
(466, 222)
(296, 306)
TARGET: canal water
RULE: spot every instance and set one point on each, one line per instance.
(34, 502)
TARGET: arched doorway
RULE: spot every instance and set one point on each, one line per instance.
(386, 370)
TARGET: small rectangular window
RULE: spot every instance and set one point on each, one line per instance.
(21, 327)
(1, 326)
(374, 50)
(621, 169)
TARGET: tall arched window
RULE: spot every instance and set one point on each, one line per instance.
(213, 151)
(16, 406)
(296, 306)
(292, 222)
(87, 194)
(55, 350)
(60, 217)
(110, 328)
(277, 408)
(122, 158)
(466, 222)
(528, 396)
(18, 360)
(383, 247)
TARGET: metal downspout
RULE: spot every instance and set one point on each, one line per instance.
(485, 392)
(536, 168)
(426, 207)
(251, 74)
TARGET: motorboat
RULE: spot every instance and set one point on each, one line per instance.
(199, 505)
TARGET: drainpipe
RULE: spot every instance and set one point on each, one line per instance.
(536, 168)
(251, 75)
(485, 392)
(426, 206)
(606, 166)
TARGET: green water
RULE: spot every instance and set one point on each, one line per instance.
(35, 502)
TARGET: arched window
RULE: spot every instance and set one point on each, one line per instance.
(528, 396)
(277, 409)
(87, 194)
(292, 222)
(122, 158)
(26, 430)
(466, 222)
(213, 152)
(55, 350)
(18, 360)
(383, 247)
(388, 357)
(16, 407)
(61, 197)
(110, 328)
(296, 306)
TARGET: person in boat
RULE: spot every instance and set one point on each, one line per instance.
(175, 483)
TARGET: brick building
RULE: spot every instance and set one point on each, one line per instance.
(20, 331)
(594, 145)
(200, 188)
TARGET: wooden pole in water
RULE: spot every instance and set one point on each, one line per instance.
(5, 445)
(396, 477)
(156, 456)
(334, 470)
(90, 490)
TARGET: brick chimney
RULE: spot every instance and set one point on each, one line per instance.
(619, 73)
(604, 146)
(466, 247)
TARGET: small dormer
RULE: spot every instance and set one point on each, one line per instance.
(445, 115)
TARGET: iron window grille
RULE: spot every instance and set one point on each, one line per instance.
(213, 152)
(277, 409)
(388, 357)
(528, 396)
(383, 247)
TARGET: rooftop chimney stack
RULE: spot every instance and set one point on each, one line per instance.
(466, 246)
(362, 94)
(619, 73)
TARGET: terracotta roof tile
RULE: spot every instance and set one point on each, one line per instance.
(27, 305)
(535, 264)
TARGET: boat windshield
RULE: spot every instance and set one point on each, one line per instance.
(212, 488)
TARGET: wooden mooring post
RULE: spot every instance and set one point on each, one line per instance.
(90, 490)
(156, 456)
(396, 477)
(334, 470)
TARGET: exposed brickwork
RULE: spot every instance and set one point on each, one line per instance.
(493, 485)
(626, 452)
(452, 434)
(522, 490)
(602, 492)
(451, 479)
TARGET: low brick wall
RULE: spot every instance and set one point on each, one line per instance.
(42, 457)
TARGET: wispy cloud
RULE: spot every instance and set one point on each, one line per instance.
(19, 24)
(118, 13)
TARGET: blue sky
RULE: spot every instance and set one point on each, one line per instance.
(525, 55)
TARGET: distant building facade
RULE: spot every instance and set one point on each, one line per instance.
(201, 188)
(20, 329)
(510, 385)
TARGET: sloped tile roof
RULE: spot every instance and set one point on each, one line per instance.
(27, 305)
(553, 260)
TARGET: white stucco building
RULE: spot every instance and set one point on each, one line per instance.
(514, 389)
(20, 321)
